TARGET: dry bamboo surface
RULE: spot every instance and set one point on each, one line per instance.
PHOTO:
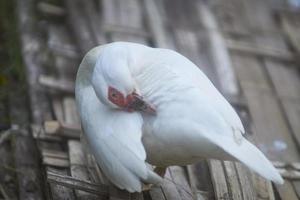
(255, 70)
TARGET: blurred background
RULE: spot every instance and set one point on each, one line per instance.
(249, 49)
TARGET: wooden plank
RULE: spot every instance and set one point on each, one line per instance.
(259, 50)
(77, 167)
(31, 49)
(57, 108)
(51, 127)
(117, 194)
(198, 195)
(179, 177)
(247, 188)
(56, 128)
(266, 33)
(202, 179)
(59, 191)
(93, 19)
(50, 10)
(236, 101)
(77, 163)
(289, 170)
(129, 10)
(78, 184)
(26, 159)
(286, 191)
(61, 44)
(293, 165)
(59, 165)
(120, 12)
(64, 53)
(108, 7)
(263, 25)
(75, 153)
(296, 185)
(289, 174)
(259, 82)
(156, 24)
(233, 180)
(218, 179)
(111, 28)
(266, 114)
(61, 85)
(272, 41)
(218, 51)
(93, 170)
(5, 136)
(287, 83)
(230, 16)
(116, 36)
(157, 193)
(80, 29)
(290, 24)
(292, 111)
(4, 193)
(181, 14)
(188, 41)
(274, 138)
(262, 21)
(55, 162)
(70, 111)
(250, 72)
(55, 154)
(168, 188)
(137, 196)
(193, 182)
(263, 188)
(285, 79)
(39, 133)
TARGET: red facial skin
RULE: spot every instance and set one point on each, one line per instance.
(133, 102)
(116, 97)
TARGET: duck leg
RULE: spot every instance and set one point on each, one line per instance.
(161, 171)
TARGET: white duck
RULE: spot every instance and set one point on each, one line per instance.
(141, 105)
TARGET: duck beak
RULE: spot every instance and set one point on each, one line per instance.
(135, 102)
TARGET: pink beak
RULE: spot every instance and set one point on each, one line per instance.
(135, 102)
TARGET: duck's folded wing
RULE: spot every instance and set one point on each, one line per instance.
(245, 152)
(190, 73)
(115, 140)
(226, 131)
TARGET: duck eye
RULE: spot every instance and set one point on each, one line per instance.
(114, 95)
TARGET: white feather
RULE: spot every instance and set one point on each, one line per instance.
(115, 140)
(193, 119)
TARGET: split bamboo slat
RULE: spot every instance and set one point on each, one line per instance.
(246, 56)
